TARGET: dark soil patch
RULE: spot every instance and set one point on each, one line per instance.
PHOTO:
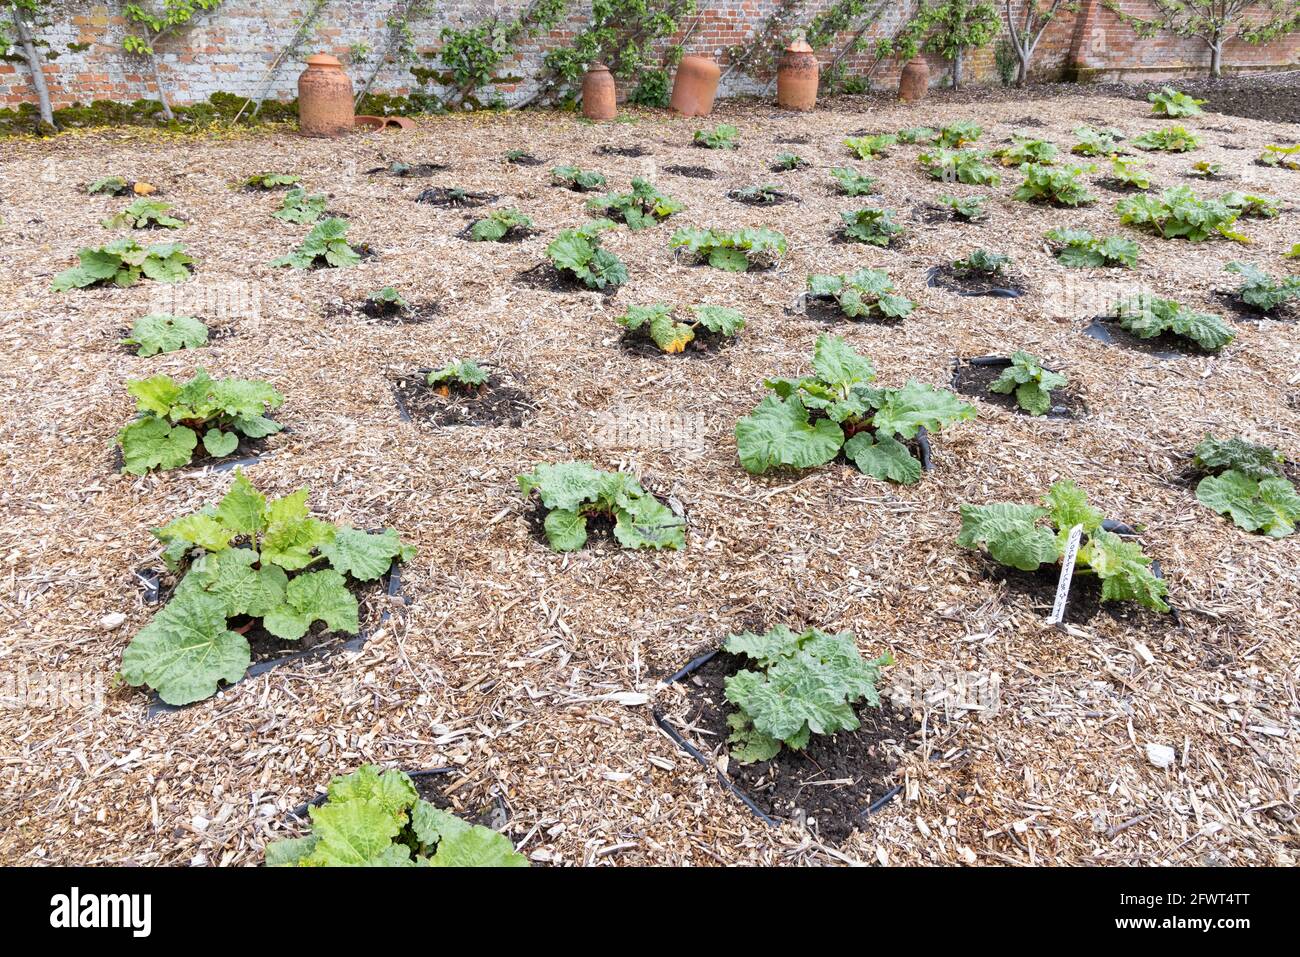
(546, 277)
(1164, 346)
(974, 378)
(1030, 121)
(772, 198)
(405, 171)
(1038, 590)
(415, 312)
(831, 784)
(630, 151)
(706, 343)
(778, 168)
(525, 159)
(493, 404)
(691, 172)
(1287, 312)
(454, 198)
(1275, 98)
(972, 283)
(801, 140)
(932, 213)
(826, 309)
(431, 786)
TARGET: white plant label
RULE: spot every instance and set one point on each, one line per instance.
(1067, 575)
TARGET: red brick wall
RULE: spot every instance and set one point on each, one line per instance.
(230, 50)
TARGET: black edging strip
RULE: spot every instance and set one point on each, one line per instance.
(693, 665)
(157, 706)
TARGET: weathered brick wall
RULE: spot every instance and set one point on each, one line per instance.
(232, 49)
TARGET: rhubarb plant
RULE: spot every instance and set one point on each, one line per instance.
(1167, 139)
(301, 207)
(765, 194)
(1251, 206)
(786, 162)
(574, 492)
(1059, 187)
(109, 186)
(577, 179)
(1024, 149)
(465, 375)
(248, 561)
(173, 416)
(272, 180)
(956, 135)
(671, 333)
(982, 262)
(850, 182)
(1261, 290)
(1080, 249)
(1030, 382)
(867, 293)
(1169, 102)
(964, 166)
(1147, 317)
(123, 262)
(1177, 213)
(797, 684)
(966, 208)
(1097, 142)
(870, 225)
(157, 333)
(721, 137)
(917, 134)
(643, 206)
(808, 421)
(376, 818)
(1205, 169)
(577, 254)
(1016, 536)
(1286, 157)
(734, 251)
(1129, 173)
(1245, 482)
(144, 214)
(500, 225)
(325, 246)
(870, 147)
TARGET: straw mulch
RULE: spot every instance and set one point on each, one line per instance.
(536, 673)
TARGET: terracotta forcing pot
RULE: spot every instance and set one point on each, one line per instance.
(796, 77)
(599, 98)
(914, 81)
(324, 97)
(695, 86)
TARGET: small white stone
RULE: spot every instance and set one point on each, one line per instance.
(112, 621)
(1161, 755)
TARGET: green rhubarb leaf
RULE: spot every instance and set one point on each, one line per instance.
(748, 744)
(917, 405)
(290, 852)
(647, 523)
(186, 651)
(232, 576)
(886, 458)
(1255, 461)
(459, 843)
(1124, 571)
(566, 530)
(778, 433)
(201, 529)
(363, 555)
(392, 790)
(314, 596)
(218, 443)
(566, 485)
(152, 443)
(839, 364)
(243, 508)
(766, 649)
(1010, 533)
(1271, 506)
(1067, 506)
(156, 333)
(356, 834)
(728, 258)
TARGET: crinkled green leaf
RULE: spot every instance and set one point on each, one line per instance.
(1010, 533)
(1271, 506)
(152, 443)
(314, 596)
(645, 522)
(885, 458)
(458, 843)
(158, 333)
(917, 405)
(1255, 461)
(363, 555)
(1124, 571)
(778, 433)
(186, 651)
